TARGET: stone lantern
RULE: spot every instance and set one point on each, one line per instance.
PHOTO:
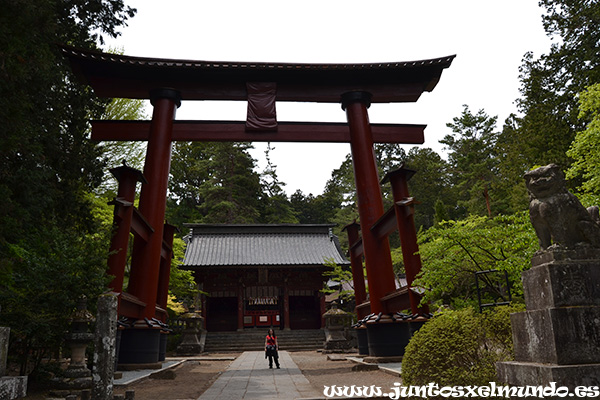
(77, 375)
(336, 324)
(191, 343)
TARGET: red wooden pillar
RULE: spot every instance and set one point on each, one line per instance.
(358, 276)
(286, 305)
(403, 204)
(322, 308)
(240, 307)
(378, 260)
(127, 178)
(165, 268)
(146, 256)
(203, 305)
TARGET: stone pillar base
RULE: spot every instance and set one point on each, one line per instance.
(556, 339)
(13, 387)
(387, 338)
(517, 373)
(139, 346)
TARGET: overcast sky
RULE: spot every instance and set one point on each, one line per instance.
(489, 38)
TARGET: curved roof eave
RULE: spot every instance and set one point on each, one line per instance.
(113, 75)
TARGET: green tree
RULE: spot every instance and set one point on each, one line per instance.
(389, 156)
(473, 166)
(453, 251)
(440, 212)
(189, 172)
(42, 280)
(511, 194)
(213, 183)
(340, 282)
(429, 186)
(182, 285)
(52, 248)
(276, 208)
(232, 190)
(551, 82)
(114, 153)
(311, 209)
(584, 149)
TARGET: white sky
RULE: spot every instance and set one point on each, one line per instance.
(489, 38)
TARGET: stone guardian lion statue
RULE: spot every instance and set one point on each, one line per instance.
(556, 214)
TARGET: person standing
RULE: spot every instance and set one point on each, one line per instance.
(271, 348)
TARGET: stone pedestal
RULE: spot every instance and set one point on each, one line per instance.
(11, 387)
(558, 338)
(4, 335)
(362, 340)
(139, 347)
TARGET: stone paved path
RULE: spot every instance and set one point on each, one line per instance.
(249, 377)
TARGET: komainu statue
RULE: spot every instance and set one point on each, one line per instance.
(556, 214)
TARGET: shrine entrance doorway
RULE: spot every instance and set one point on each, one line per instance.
(221, 313)
(263, 307)
(304, 310)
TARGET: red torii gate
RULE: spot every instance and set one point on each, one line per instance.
(166, 82)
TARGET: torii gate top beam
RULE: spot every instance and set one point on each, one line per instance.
(113, 75)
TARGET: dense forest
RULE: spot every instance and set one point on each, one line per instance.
(55, 221)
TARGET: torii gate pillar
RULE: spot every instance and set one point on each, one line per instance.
(358, 277)
(378, 259)
(145, 268)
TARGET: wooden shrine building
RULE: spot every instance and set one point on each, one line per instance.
(257, 276)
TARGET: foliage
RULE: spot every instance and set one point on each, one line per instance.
(550, 83)
(182, 287)
(584, 149)
(46, 160)
(319, 209)
(452, 251)
(48, 272)
(52, 248)
(276, 208)
(340, 275)
(429, 186)
(117, 152)
(174, 306)
(213, 183)
(510, 192)
(459, 348)
(232, 191)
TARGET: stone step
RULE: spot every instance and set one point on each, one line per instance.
(253, 340)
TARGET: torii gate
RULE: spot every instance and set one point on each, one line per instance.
(167, 82)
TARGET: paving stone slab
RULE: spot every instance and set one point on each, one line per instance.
(249, 377)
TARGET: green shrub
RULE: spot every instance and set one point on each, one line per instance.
(459, 348)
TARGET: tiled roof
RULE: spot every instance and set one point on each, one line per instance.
(261, 245)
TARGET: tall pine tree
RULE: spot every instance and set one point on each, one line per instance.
(473, 166)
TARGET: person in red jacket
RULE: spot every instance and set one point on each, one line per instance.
(271, 348)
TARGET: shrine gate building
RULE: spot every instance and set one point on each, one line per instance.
(257, 276)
